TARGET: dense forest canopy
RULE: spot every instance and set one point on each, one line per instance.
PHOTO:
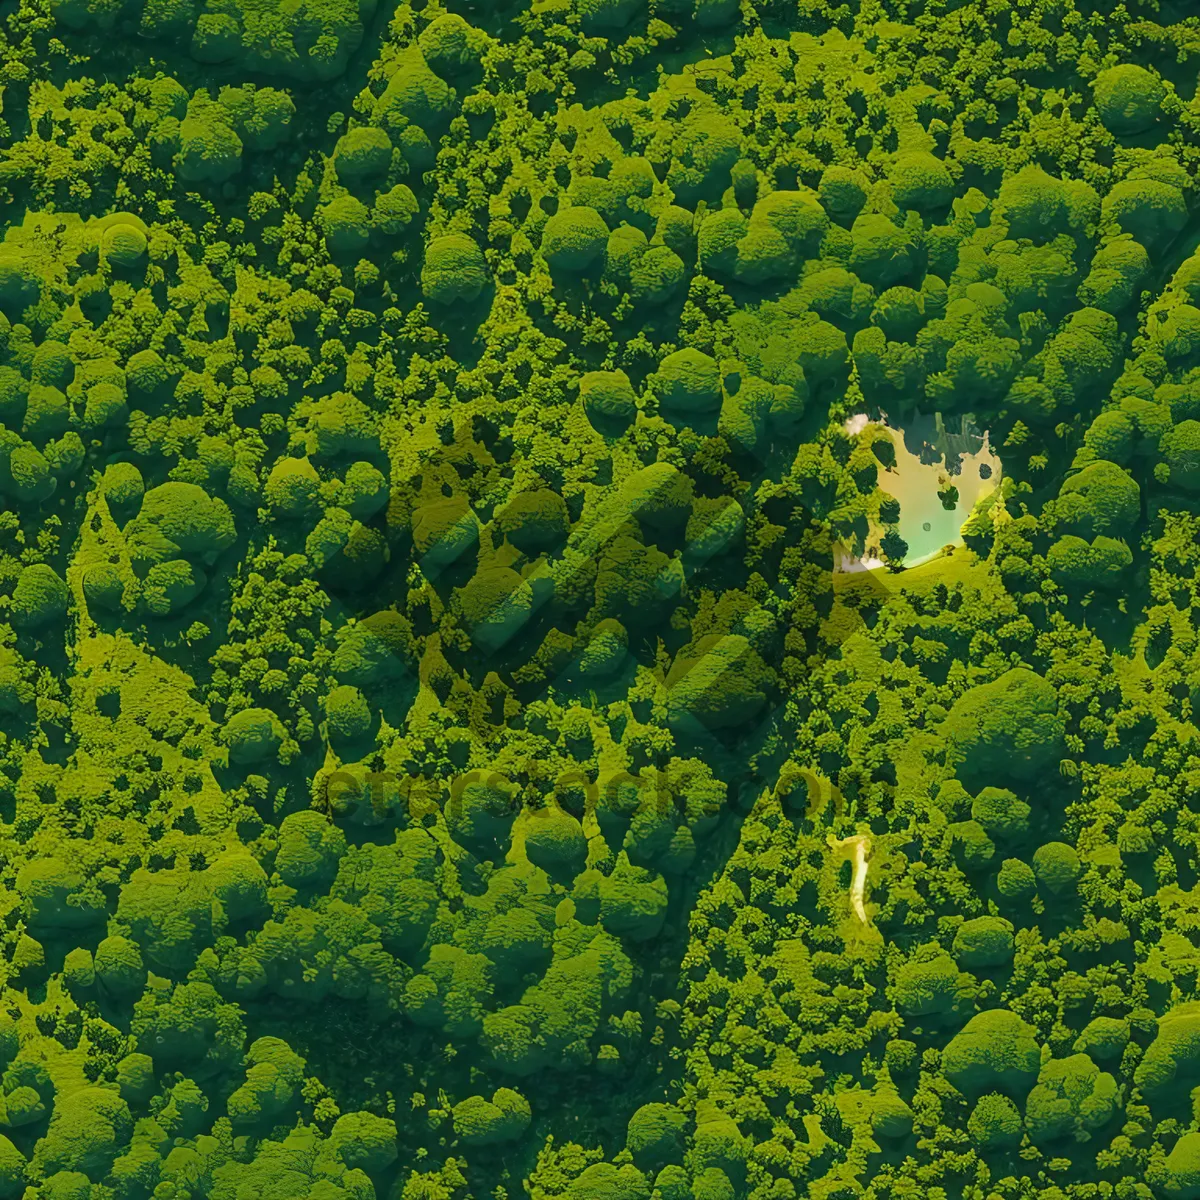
(439, 759)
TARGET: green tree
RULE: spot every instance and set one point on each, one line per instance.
(994, 1051)
(1073, 1098)
(994, 1123)
(1010, 727)
(1128, 98)
(454, 270)
(574, 238)
(1178, 1175)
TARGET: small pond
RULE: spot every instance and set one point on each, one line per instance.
(943, 468)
